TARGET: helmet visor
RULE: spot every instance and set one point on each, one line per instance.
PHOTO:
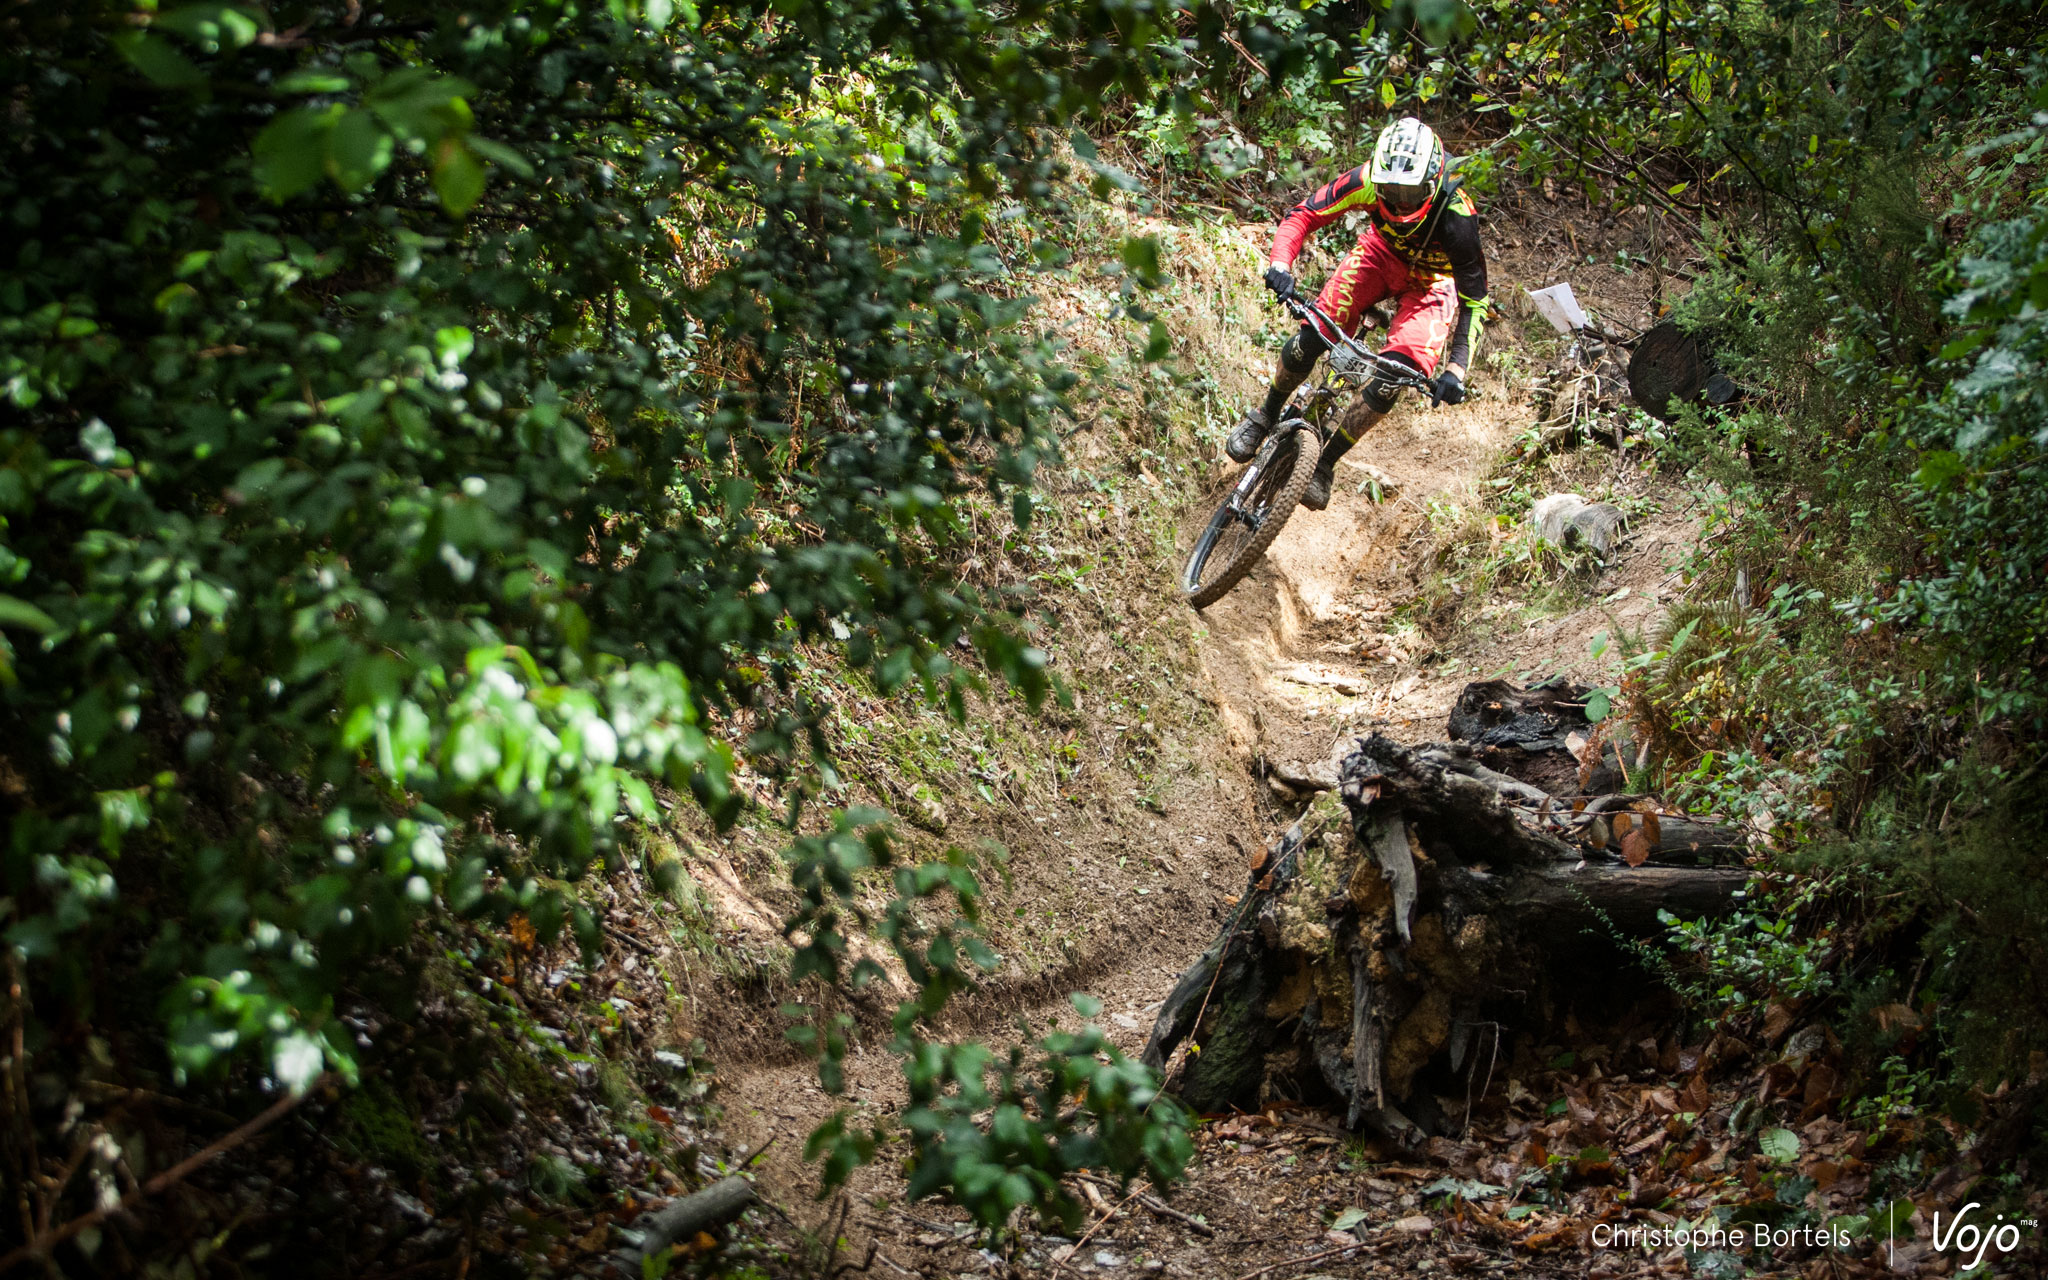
(1403, 197)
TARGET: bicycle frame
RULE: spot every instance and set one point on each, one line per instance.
(1393, 371)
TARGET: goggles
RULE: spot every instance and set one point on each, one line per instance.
(1404, 198)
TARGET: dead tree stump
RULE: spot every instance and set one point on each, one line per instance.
(1411, 915)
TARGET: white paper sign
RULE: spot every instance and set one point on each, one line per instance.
(1557, 305)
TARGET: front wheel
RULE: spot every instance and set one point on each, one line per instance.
(1252, 515)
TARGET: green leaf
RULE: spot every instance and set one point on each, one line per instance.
(1779, 1145)
(120, 813)
(1964, 344)
(453, 344)
(1598, 704)
(97, 439)
(1387, 94)
(498, 153)
(1160, 344)
(1141, 259)
(35, 938)
(359, 148)
(315, 81)
(213, 27)
(458, 177)
(1348, 1219)
(1939, 468)
(19, 613)
(291, 152)
(1085, 1005)
(295, 1060)
(1893, 1218)
(417, 103)
(154, 57)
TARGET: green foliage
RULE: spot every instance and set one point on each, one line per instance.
(1756, 954)
(1017, 1158)
(1861, 669)
(422, 428)
(990, 1150)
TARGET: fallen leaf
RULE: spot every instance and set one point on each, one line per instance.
(702, 1242)
(1777, 1021)
(1695, 1098)
(1781, 1146)
(1635, 847)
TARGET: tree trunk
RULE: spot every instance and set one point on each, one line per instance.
(1413, 914)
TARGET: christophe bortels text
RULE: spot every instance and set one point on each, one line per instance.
(1682, 1236)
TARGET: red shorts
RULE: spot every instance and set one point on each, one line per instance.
(1427, 303)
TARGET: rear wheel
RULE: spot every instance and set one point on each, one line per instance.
(1237, 536)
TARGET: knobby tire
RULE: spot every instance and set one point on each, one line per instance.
(1279, 503)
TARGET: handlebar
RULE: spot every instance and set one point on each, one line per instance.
(1401, 375)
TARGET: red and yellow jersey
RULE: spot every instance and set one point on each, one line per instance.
(1444, 242)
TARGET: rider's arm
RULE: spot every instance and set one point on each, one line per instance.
(1459, 235)
(1330, 202)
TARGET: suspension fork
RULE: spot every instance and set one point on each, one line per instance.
(1250, 478)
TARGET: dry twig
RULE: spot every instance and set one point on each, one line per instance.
(1159, 1207)
(48, 1240)
(1089, 1234)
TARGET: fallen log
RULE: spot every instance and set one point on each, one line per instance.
(1424, 906)
(652, 1233)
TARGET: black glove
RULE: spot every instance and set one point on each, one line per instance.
(1450, 388)
(1279, 281)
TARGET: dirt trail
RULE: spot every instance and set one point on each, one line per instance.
(1307, 649)
(1300, 653)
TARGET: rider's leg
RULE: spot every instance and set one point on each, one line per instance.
(1297, 360)
(1372, 404)
(1422, 324)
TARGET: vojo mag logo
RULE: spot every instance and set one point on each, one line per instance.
(1972, 1241)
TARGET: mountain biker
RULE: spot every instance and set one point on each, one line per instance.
(1420, 247)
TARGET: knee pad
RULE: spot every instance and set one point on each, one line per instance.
(1379, 395)
(1302, 351)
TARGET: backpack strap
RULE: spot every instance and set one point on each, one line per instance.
(1450, 186)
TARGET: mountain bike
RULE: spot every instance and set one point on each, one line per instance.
(1265, 496)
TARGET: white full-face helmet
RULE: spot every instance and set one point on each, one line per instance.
(1407, 170)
